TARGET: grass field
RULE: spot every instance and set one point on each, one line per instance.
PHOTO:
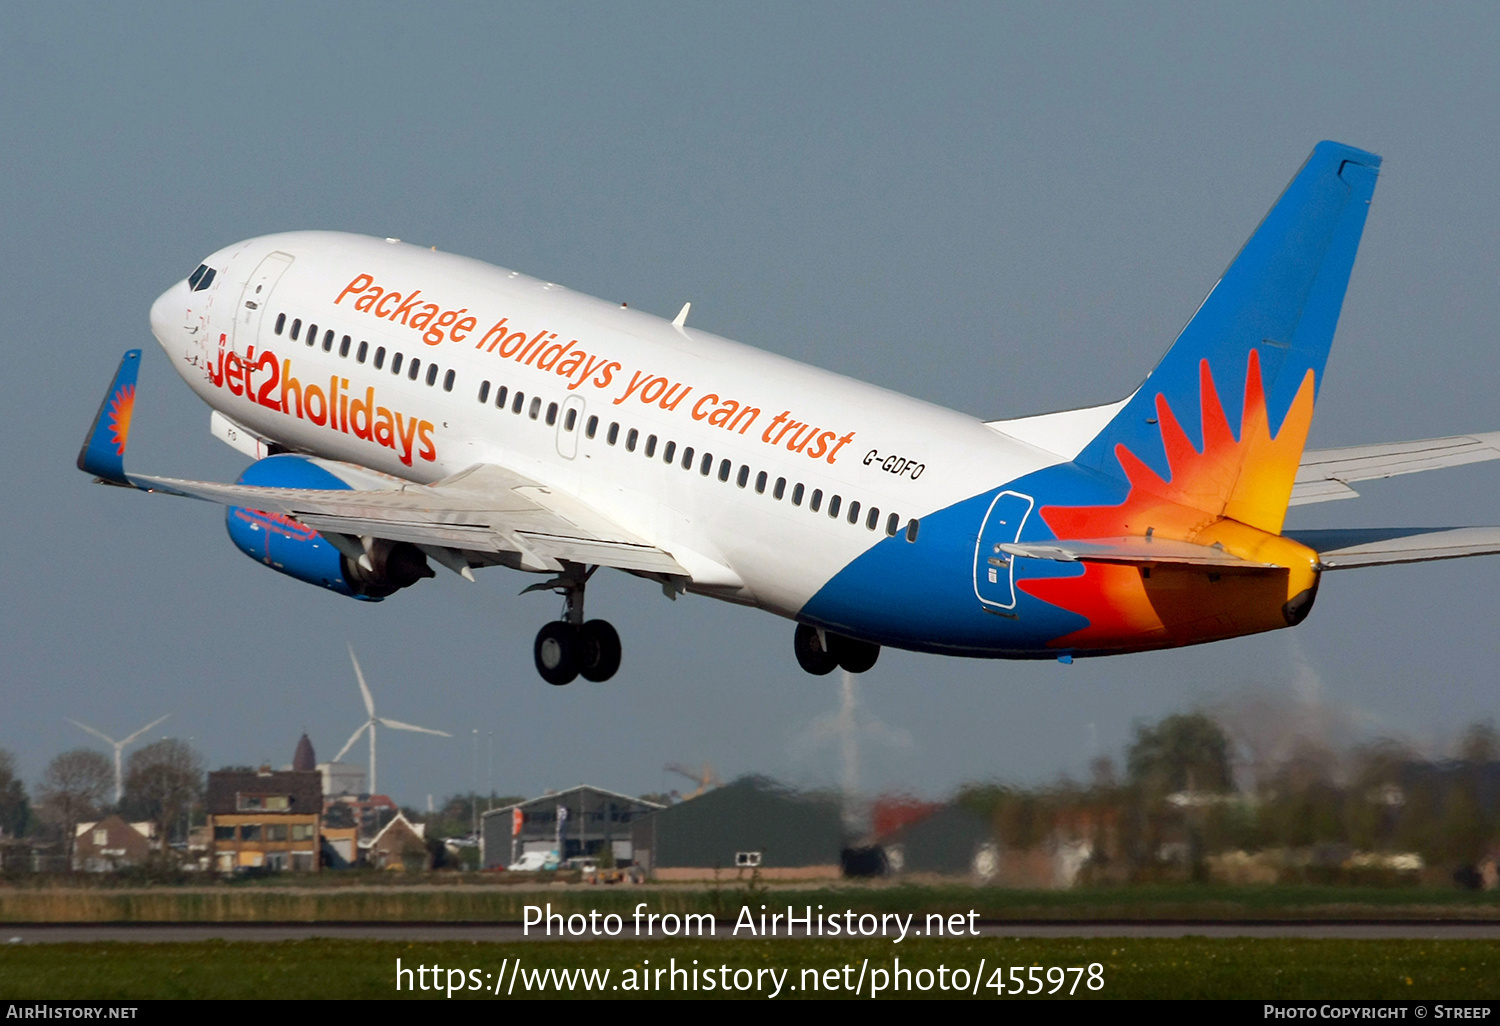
(478, 903)
(1191, 967)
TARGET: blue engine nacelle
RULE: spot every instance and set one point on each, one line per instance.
(296, 550)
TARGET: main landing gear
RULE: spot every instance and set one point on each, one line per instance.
(819, 651)
(573, 647)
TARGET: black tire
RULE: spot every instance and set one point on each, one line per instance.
(556, 652)
(598, 650)
(854, 656)
(811, 655)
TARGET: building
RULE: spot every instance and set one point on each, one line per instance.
(262, 819)
(341, 778)
(948, 841)
(401, 844)
(580, 822)
(112, 844)
(750, 825)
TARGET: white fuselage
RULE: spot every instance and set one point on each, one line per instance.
(651, 384)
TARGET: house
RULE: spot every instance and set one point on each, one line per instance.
(401, 844)
(264, 819)
(111, 844)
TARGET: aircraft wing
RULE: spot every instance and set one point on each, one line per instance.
(484, 509)
(1325, 474)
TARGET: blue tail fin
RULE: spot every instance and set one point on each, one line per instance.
(1271, 315)
(103, 452)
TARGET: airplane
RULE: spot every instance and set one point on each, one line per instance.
(406, 407)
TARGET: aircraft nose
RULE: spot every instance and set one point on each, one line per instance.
(169, 315)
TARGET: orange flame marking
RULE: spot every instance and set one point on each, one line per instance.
(121, 406)
(1248, 481)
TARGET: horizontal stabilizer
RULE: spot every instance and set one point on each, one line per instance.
(1325, 474)
(1137, 551)
(1371, 546)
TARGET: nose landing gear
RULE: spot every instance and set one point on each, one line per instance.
(819, 651)
(572, 647)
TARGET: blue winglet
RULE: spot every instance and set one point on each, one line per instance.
(103, 452)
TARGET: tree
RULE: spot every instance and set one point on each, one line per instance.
(162, 782)
(73, 786)
(1184, 752)
(14, 809)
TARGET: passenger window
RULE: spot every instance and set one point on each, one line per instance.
(536, 407)
(613, 434)
(873, 519)
(344, 345)
(500, 397)
(570, 421)
(448, 381)
(760, 483)
(590, 427)
(833, 506)
(396, 363)
(797, 494)
(707, 466)
(651, 446)
(817, 500)
(364, 350)
(379, 354)
(432, 371)
(484, 391)
(854, 512)
(296, 327)
(312, 334)
(631, 439)
(328, 341)
(551, 414)
(911, 531)
(892, 524)
(669, 453)
(687, 458)
(780, 488)
(744, 477)
(724, 467)
(280, 322)
(413, 369)
(520, 401)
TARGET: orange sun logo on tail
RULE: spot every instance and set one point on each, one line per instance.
(1206, 497)
(121, 406)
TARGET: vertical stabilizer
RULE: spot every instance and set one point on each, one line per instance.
(1222, 420)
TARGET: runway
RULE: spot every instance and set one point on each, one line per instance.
(510, 933)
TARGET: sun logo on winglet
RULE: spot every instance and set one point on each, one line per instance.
(1246, 479)
(121, 406)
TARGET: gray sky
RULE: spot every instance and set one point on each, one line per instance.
(1003, 209)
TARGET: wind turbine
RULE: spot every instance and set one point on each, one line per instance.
(119, 747)
(373, 720)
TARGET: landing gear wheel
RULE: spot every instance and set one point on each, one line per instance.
(812, 655)
(557, 651)
(598, 650)
(854, 656)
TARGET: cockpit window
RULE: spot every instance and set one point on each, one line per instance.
(201, 279)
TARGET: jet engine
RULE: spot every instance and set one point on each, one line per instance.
(294, 549)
